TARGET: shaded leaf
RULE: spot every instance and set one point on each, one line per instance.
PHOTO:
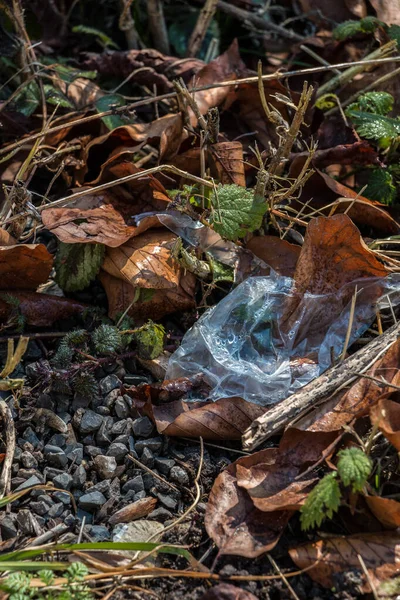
(386, 510)
(77, 265)
(373, 126)
(386, 415)
(109, 102)
(327, 557)
(149, 340)
(278, 254)
(24, 266)
(381, 187)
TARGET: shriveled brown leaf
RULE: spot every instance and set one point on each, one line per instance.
(386, 415)
(273, 481)
(386, 510)
(235, 525)
(226, 591)
(133, 511)
(279, 254)
(388, 12)
(228, 162)
(347, 405)
(225, 419)
(24, 266)
(333, 257)
(41, 310)
(379, 551)
(228, 66)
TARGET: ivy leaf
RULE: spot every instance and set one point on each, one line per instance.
(381, 187)
(322, 501)
(149, 340)
(77, 265)
(379, 103)
(354, 468)
(235, 211)
(373, 126)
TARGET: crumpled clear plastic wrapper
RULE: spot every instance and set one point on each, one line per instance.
(263, 342)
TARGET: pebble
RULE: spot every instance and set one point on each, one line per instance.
(109, 383)
(136, 484)
(55, 456)
(28, 460)
(154, 444)
(27, 523)
(164, 465)
(74, 453)
(142, 427)
(147, 458)
(105, 466)
(98, 533)
(160, 514)
(41, 508)
(91, 501)
(8, 528)
(56, 510)
(121, 427)
(103, 436)
(179, 475)
(58, 439)
(79, 477)
(91, 421)
(93, 451)
(118, 450)
(121, 409)
(34, 480)
(31, 437)
(168, 501)
(62, 497)
(111, 398)
(63, 481)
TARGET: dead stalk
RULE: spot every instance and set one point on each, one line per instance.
(159, 34)
(200, 29)
(8, 424)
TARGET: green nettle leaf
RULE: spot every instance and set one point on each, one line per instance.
(351, 28)
(235, 211)
(394, 34)
(149, 340)
(220, 272)
(106, 339)
(381, 187)
(108, 103)
(379, 103)
(322, 502)
(374, 127)
(77, 265)
(354, 468)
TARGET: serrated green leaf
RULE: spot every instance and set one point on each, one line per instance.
(101, 37)
(354, 468)
(374, 127)
(77, 265)
(108, 103)
(236, 211)
(220, 272)
(394, 34)
(322, 502)
(381, 187)
(149, 340)
(379, 103)
(351, 28)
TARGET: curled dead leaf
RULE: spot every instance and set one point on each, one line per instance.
(386, 415)
(330, 556)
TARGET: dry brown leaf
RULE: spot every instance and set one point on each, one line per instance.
(6, 239)
(133, 511)
(386, 414)
(379, 551)
(226, 591)
(41, 310)
(225, 419)
(386, 510)
(227, 160)
(235, 525)
(332, 259)
(345, 406)
(24, 266)
(279, 254)
(388, 12)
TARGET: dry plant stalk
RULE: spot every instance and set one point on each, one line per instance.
(14, 358)
(159, 34)
(200, 29)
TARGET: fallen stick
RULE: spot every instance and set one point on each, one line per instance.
(332, 381)
(8, 423)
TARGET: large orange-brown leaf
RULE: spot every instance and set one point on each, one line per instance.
(279, 254)
(386, 415)
(332, 258)
(386, 510)
(226, 591)
(24, 266)
(41, 310)
(233, 522)
(355, 402)
(379, 551)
